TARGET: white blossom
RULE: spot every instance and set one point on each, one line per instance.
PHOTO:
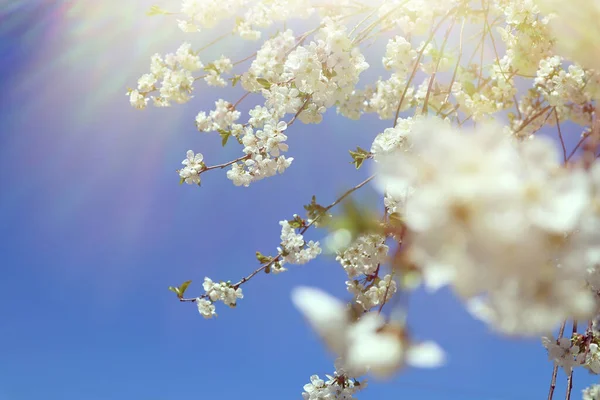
(591, 393)
(564, 353)
(206, 308)
(193, 166)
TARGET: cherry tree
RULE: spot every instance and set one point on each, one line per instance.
(479, 191)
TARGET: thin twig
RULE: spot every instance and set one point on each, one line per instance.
(570, 379)
(583, 137)
(437, 66)
(460, 49)
(555, 368)
(362, 34)
(364, 20)
(215, 41)
(299, 111)
(532, 118)
(245, 59)
(560, 136)
(247, 156)
(237, 103)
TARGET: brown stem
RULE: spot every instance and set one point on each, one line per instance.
(555, 368)
(560, 136)
(237, 103)
(215, 41)
(299, 111)
(583, 137)
(570, 378)
(245, 59)
(247, 156)
(532, 118)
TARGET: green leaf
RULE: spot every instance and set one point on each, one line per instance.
(224, 136)
(357, 219)
(284, 252)
(156, 10)
(181, 180)
(329, 73)
(235, 80)
(174, 290)
(277, 265)
(396, 220)
(469, 88)
(262, 258)
(184, 287)
(297, 222)
(316, 212)
(359, 156)
(264, 83)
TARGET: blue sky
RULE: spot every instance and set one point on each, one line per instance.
(94, 227)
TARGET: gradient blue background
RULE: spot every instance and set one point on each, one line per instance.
(94, 227)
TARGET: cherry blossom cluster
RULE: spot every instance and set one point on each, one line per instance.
(294, 249)
(362, 261)
(338, 386)
(263, 149)
(222, 291)
(576, 351)
(223, 117)
(591, 393)
(174, 72)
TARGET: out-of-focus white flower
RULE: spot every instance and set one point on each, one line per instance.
(488, 215)
(366, 344)
(575, 29)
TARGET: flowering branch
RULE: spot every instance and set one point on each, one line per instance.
(277, 258)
